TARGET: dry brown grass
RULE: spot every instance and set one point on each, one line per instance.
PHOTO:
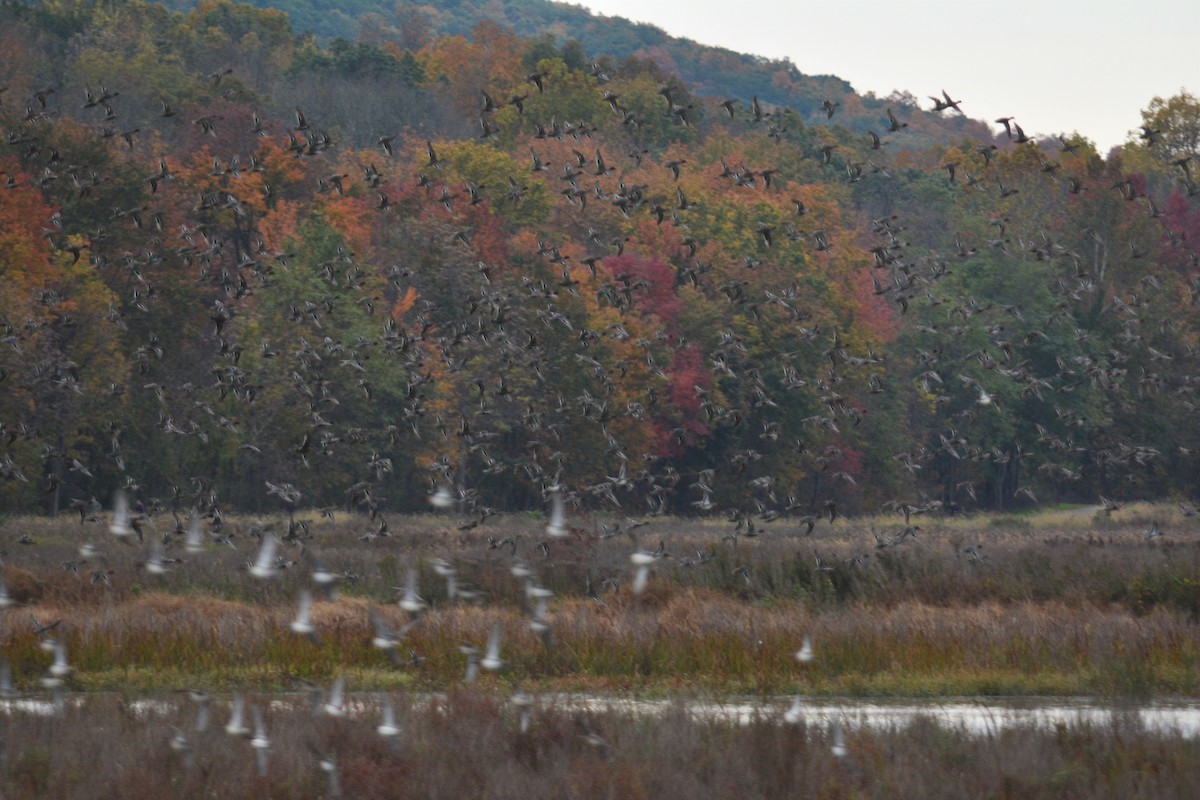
(674, 637)
(1052, 609)
(467, 745)
(1035, 608)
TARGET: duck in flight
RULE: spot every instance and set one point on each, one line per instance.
(944, 102)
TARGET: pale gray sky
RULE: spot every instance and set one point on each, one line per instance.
(1056, 65)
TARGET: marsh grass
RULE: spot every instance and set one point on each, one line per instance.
(1075, 555)
(682, 638)
(1034, 607)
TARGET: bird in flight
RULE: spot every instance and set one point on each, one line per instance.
(944, 102)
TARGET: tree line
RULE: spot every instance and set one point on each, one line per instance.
(238, 258)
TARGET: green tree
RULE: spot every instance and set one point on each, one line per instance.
(1171, 127)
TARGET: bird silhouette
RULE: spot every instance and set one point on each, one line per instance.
(944, 102)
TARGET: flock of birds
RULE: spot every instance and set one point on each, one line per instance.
(126, 524)
(511, 327)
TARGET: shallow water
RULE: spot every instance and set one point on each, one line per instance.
(975, 717)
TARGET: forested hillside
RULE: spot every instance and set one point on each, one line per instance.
(570, 32)
(247, 268)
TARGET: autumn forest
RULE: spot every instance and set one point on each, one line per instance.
(382, 383)
(251, 267)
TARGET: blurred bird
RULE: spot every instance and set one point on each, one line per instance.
(472, 654)
(411, 601)
(260, 742)
(203, 700)
(237, 713)
(805, 653)
(264, 565)
(181, 746)
(385, 638)
(335, 705)
(642, 559)
(7, 691)
(838, 748)
(321, 576)
(523, 702)
(6, 599)
(442, 497)
(120, 519)
(491, 660)
(944, 102)
(388, 728)
(60, 669)
(193, 542)
(593, 737)
(795, 714)
(327, 762)
(557, 526)
(303, 624)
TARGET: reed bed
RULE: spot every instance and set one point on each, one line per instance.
(674, 638)
(989, 605)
